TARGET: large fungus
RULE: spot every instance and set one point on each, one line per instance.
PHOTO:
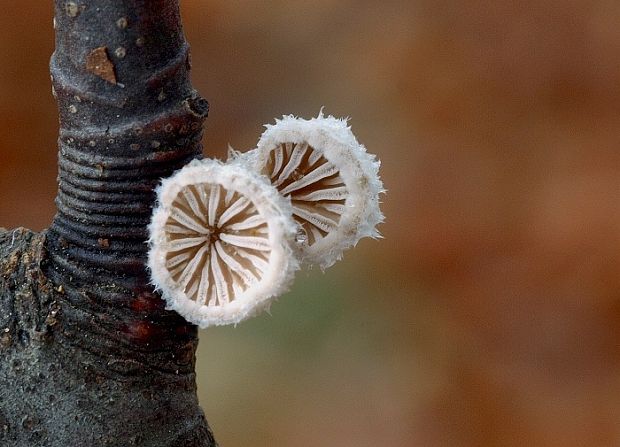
(221, 239)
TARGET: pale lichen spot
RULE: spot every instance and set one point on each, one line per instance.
(120, 52)
(72, 9)
(122, 23)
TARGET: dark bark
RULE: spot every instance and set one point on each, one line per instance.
(89, 355)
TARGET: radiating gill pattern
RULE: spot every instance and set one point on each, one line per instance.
(315, 186)
(218, 243)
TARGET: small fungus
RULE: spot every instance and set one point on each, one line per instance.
(333, 183)
(221, 241)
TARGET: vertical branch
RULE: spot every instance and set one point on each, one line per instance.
(128, 117)
(89, 354)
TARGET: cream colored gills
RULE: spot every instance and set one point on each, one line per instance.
(314, 185)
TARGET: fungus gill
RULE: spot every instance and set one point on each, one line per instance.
(220, 243)
(333, 183)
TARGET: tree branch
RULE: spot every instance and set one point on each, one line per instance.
(89, 355)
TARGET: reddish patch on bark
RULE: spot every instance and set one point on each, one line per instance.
(140, 331)
(146, 302)
(99, 64)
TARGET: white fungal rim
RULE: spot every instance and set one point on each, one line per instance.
(276, 230)
(331, 138)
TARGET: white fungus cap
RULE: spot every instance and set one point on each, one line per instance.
(220, 243)
(333, 183)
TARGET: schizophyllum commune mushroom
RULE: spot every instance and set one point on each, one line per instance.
(221, 243)
(226, 239)
(333, 183)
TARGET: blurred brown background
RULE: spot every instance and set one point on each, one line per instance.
(490, 314)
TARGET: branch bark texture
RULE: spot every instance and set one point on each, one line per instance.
(88, 354)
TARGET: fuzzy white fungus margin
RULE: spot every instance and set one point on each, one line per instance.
(216, 267)
(345, 161)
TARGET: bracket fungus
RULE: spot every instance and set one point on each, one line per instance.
(226, 239)
(221, 243)
(333, 183)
